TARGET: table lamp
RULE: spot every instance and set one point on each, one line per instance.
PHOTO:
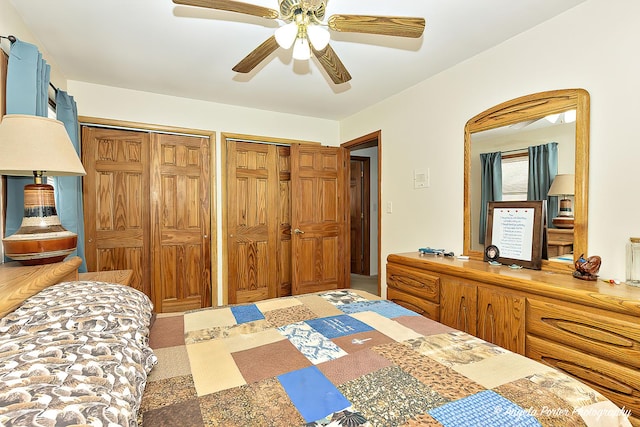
(38, 146)
(563, 185)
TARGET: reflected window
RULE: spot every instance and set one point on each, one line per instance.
(515, 175)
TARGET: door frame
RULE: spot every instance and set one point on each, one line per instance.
(146, 127)
(372, 139)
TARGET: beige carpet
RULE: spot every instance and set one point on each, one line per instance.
(365, 283)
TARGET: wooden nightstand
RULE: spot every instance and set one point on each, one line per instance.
(19, 282)
(122, 277)
(559, 241)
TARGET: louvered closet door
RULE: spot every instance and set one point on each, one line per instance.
(116, 202)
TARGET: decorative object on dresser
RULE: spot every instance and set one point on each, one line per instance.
(517, 230)
(587, 269)
(563, 185)
(587, 329)
(38, 146)
(632, 276)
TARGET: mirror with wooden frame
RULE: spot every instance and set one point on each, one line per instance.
(513, 126)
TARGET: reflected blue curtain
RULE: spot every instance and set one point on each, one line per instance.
(491, 181)
(27, 93)
(543, 168)
(69, 188)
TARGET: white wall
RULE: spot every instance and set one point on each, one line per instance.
(592, 46)
(11, 24)
(131, 105)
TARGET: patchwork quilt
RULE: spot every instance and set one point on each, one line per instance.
(348, 358)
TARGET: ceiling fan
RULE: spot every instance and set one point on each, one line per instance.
(305, 31)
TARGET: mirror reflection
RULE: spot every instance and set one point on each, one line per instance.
(517, 142)
(507, 151)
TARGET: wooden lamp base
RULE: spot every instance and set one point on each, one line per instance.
(41, 238)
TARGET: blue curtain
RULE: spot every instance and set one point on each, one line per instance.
(27, 93)
(491, 181)
(69, 188)
(543, 168)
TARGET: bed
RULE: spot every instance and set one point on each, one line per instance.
(84, 353)
(347, 358)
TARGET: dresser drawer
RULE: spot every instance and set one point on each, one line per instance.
(620, 384)
(593, 331)
(419, 305)
(415, 282)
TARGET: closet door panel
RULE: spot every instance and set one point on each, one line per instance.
(180, 222)
(253, 221)
(116, 204)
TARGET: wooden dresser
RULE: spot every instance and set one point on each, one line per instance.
(590, 330)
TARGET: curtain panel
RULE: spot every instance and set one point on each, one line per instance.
(3, 179)
(491, 182)
(543, 168)
(69, 188)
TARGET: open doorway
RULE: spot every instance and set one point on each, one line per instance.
(364, 206)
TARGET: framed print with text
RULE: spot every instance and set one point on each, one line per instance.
(517, 230)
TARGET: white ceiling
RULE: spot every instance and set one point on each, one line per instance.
(158, 46)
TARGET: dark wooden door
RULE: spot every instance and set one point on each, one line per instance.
(359, 202)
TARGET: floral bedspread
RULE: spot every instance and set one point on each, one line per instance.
(347, 358)
(75, 354)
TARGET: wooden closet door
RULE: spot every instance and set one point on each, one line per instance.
(180, 222)
(252, 221)
(320, 219)
(116, 202)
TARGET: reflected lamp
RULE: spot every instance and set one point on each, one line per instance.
(563, 185)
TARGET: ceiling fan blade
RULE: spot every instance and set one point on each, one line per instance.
(384, 25)
(332, 65)
(232, 6)
(257, 56)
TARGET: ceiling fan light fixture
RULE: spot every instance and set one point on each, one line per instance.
(286, 35)
(301, 49)
(553, 118)
(318, 36)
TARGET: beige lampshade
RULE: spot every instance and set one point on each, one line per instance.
(563, 185)
(33, 143)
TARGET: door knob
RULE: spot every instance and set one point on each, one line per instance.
(298, 231)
